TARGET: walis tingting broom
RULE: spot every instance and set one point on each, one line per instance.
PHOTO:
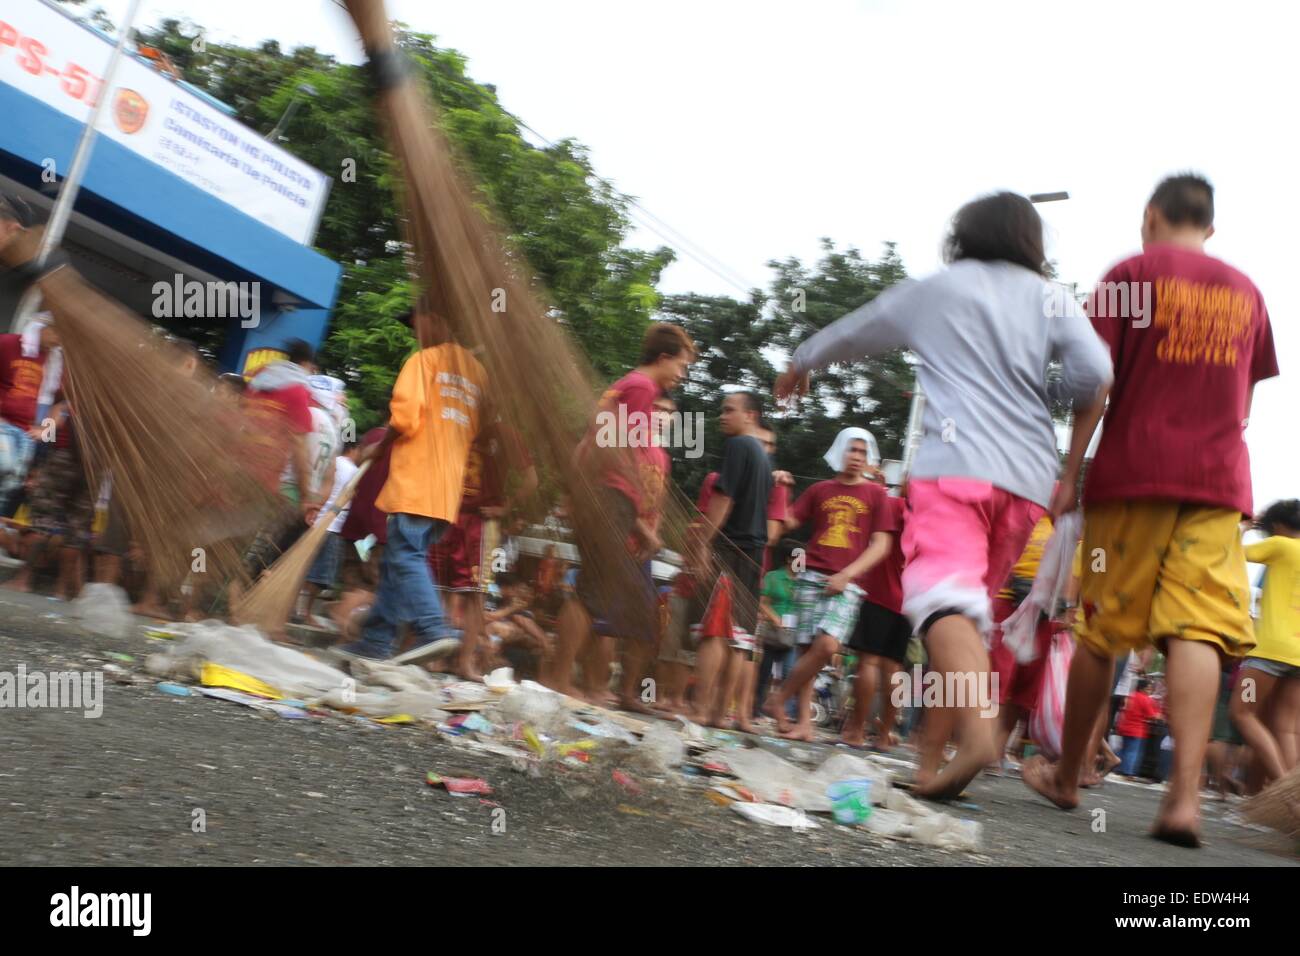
(170, 445)
(269, 602)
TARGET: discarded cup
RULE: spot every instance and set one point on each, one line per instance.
(850, 801)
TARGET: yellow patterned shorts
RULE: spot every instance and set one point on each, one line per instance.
(1155, 569)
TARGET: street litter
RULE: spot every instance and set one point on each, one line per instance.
(604, 729)
(775, 816)
(626, 782)
(660, 750)
(500, 680)
(104, 609)
(254, 701)
(850, 800)
(214, 675)
(459, 786)
(176, 690)
(291, 672)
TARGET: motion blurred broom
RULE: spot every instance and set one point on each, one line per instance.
(539, 380)
(1278, 805)
(269, 602)
(170, 445)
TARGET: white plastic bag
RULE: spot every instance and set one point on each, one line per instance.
(103, 609)
(775, 816)
(661, 749)
(1052, 577)
(1047, 722)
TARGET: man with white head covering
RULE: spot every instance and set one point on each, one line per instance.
(852, 531)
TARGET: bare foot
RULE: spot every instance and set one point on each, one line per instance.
(775, 708)
(20, 582)
(745, 727)
(1041, 777)
(150, 610)
(468, 672)
(634, 705)
(949, 784)
(1178, 824)
(1090, 779)
(857, 741)
(802, 732)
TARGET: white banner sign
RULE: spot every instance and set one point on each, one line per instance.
(46, 55)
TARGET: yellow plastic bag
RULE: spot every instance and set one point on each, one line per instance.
(214, 675)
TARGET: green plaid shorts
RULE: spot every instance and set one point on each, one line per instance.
(833, 614)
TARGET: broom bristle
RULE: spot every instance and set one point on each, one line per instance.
(269, 602)
(171, 448)
(1277, 805)
(539, 379)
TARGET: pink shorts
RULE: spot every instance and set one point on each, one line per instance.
(961, 539)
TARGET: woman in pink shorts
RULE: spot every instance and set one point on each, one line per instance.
(985, 330)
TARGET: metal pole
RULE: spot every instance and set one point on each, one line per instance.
(62, 210)
(915, 428)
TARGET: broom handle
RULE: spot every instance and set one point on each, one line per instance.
(345, 495)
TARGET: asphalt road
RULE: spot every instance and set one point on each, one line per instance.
(125, 789)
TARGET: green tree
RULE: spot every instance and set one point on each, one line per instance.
(567, 223)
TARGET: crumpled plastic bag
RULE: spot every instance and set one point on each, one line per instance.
(775, 816)
(774, 780)
(289, 671)
(947, 832)
(104, 609)
(398, 677)
(1050, 581)
(421, 704)
(661, 749)
(534, 705)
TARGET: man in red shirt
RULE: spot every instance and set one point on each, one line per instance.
(1162, 555)
(1132, 726)
(22, 371)
(880, 637)
(853, 528)
(277, 406)
(614, 539)
(457, 558)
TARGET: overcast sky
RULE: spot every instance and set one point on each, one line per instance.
(754, 128)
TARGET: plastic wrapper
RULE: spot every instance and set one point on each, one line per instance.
(1047, 722)
(661, 749)
(1049, 584)
(103, 609)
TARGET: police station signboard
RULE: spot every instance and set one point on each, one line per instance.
(51, 57)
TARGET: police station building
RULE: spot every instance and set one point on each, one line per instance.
(183, 210)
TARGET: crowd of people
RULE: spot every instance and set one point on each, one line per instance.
(772, 590)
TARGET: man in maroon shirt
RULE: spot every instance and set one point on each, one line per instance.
(1162, 555)
(619, 451)
(852, 531)
(22, 370)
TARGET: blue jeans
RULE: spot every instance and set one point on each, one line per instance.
(407, 592)
(17, 449)
(1131, 759)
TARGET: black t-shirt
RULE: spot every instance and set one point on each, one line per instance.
(745, 478)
